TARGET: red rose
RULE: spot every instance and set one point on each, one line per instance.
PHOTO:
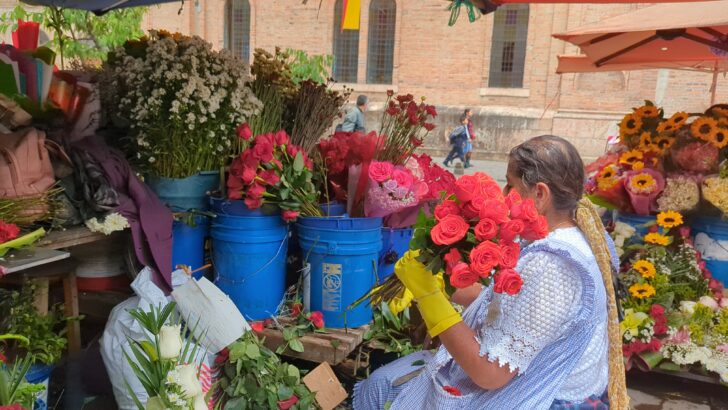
(462, 276)
(416, 142)
(403, 177)
(317, 318)
(431, 110)
(263, 150)
(296, 309)
(289, 216)
(508, 281)
(627, 350)
(248, 159)
(270, 177)
(657, 311)
(491, 190)
(278, 164)
(308, 163)
(513, 198)
(525, 211)
(511, 229)
(3, 359)
(281, 138)
(244, 132)
(485, 257)
(495, 210)
(248, 175)
(257, 326)
(715, 285)
(256, 190)
(222, 357)
(429, 126)
(472, 209)
(465, 187)
(510, 252)
(486, 229)
(288, 403)
(8, 232)
(380, 171)
(292, 150)
(12, 407)
(449, 230)
(655, 344)
(252, 203)
(453, 257)
(393, 111)
(235, 194)
(447, 207)
(536, 230)
(452, 390)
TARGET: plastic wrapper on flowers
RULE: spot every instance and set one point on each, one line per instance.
(643, 187)
(715, 191)
(697, 157)
(391, 190)
(681, 194)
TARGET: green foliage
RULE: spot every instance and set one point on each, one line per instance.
(303, 67)
(721, 328)
(45, 333)
(79, 34)
(392, 332)
(13, 387)
(253, 377)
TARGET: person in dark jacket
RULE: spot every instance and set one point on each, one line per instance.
(458, 140)
(471, 137)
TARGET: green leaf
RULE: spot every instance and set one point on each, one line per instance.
(418, 363)
(284, 193)
(150, 350)
(284, 392)
(298, 163)
(296, 346)
(597, 200)
(294, 372)
(237, 351)
(252, 351)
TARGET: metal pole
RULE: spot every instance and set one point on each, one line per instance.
(714, 85)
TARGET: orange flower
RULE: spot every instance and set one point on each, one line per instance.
(665, 126)
(630, 157)
(608, 177)
(663, 144)
(703, 128)
(647, 111)
(719, 138)
(630, 124)
(642, 183)
(678, 119)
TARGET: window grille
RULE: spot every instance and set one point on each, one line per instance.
(380, 57)
(238, 28)
(508, 49)
(346, 49)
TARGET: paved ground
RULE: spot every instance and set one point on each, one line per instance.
(496, 169)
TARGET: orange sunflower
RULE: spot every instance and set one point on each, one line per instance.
(723, 112)
(647, 111)
(662, 144)
(630, 124)
(703, 128)
(646, 143)
(645, 268)
(669, 219)
(641, 291)
(678, 119)
(630, 157)
(720, 138)
(665, 126)
(608, 177)
(642, 183)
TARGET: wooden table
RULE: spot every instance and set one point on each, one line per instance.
(42, 266)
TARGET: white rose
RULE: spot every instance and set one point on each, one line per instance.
(199, 403)
(687, 307)
(170, 341)
(188, 381)
(619, 241)
(709, 302)
(155, 403)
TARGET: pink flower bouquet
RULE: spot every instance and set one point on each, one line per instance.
(392, 189)
(643, 188)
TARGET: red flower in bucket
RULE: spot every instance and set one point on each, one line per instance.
(317, 318)
(257, 326)
(288, 403)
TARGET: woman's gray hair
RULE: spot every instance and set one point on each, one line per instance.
(555, 162)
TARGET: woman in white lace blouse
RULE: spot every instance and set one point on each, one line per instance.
(555, 345)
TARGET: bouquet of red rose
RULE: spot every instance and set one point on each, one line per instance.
(402, 124)
(273, 170)
(474, 237)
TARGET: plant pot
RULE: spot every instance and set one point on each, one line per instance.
(40, 374)
(183, 194)
(188, 244)
(237, 207)
(711, 239)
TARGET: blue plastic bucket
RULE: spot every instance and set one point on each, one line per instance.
(237, 207)
(249, 257)
(637, 222)
(40, 374)
(182, 194)
(333, 209)
(395, 242)
(717, 230)
(342, 253)
(188, 243)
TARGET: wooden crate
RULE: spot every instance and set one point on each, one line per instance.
(319, 347)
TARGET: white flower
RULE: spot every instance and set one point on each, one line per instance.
(172, 377)
(152, 160)
(199, 403)
(687, 307)
(188, 381)
(170, 342)
(113, 222)
(709, 302)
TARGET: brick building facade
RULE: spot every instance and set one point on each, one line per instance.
(502, 66)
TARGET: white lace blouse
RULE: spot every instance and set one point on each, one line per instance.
(518, 327)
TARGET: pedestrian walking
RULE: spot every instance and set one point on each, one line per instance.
(458, 139)
(354, 119)
(469, 143)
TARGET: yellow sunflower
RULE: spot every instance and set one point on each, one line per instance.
(630, 124)
(657, 239)
(645, 268)
(641, 290)
(608, 177)
(703, 128)
(638, 166)
(669, 219)
(646, 143)
(647, 111)
(678, 119)
(663, 144)
(642, 183)
(722, 112)
(665, 126)
(719, 138)
(723, 122)
(630, 157)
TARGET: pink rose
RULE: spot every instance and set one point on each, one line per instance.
(253, 203)
(249, 175)
(292, 150)
(263, 150)
(256, 190)
(403, 177)
(289, 216)
(462, 276)
(508, 281)
(449, 230)
(281, 138)
(380, 171)
(270, 177)
(244, 132)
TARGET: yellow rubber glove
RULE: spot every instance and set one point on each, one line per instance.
(426, 288)
(404, 300)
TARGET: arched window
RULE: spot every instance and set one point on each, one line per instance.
(508, 48)
(237, 19)
(380, 57)
(346, 49)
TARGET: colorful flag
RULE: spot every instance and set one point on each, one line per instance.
(350, 17)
